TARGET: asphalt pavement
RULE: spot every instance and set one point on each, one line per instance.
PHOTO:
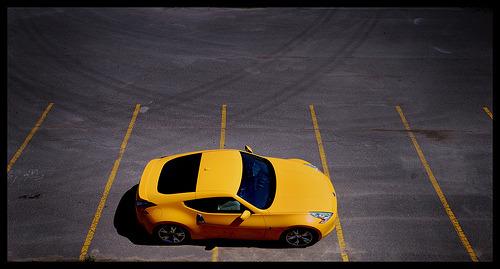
(402, 99)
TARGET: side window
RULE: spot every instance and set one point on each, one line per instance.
(216, 205)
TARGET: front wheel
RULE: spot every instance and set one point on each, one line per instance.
(299, 237)
(172, 234)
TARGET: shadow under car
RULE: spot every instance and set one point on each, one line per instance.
(126, 224)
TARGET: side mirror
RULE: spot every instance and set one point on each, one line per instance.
(245, 215)
(248, 149)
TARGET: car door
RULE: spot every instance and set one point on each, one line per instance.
(220, 217)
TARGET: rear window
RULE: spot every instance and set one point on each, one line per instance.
(180, 174)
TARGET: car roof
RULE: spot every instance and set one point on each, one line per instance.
(220, 172)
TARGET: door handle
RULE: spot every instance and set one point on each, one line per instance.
(199, 219)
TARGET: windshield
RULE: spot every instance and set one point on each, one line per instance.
(258, 183)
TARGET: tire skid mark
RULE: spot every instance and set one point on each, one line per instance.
(312, 77)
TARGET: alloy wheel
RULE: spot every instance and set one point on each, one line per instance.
(172, 234)
(299, 237)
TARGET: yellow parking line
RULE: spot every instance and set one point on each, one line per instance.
(320, 143)
(439, 192)
(97, 216)
(488, 112)
(223, 127)
(338, 228)
(215, 254)
(18, 153)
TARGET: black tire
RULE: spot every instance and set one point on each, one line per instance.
(299, 237)
(171, 234)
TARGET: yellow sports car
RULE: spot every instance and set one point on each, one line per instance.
(235, 195)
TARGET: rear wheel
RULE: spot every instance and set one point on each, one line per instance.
(299, 237)
(172, 234)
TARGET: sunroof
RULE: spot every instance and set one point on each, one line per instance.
(180, 174)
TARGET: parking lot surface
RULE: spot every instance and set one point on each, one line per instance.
(395, 103)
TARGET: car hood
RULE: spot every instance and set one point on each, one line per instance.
(301, 187)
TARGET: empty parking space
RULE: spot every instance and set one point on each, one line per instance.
(390, 209)
(395, 103)
(437, 188)
(109, 183)
(56, 183)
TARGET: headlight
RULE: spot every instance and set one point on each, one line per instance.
(324, 216)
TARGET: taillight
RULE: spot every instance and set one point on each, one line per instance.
(142, 205)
